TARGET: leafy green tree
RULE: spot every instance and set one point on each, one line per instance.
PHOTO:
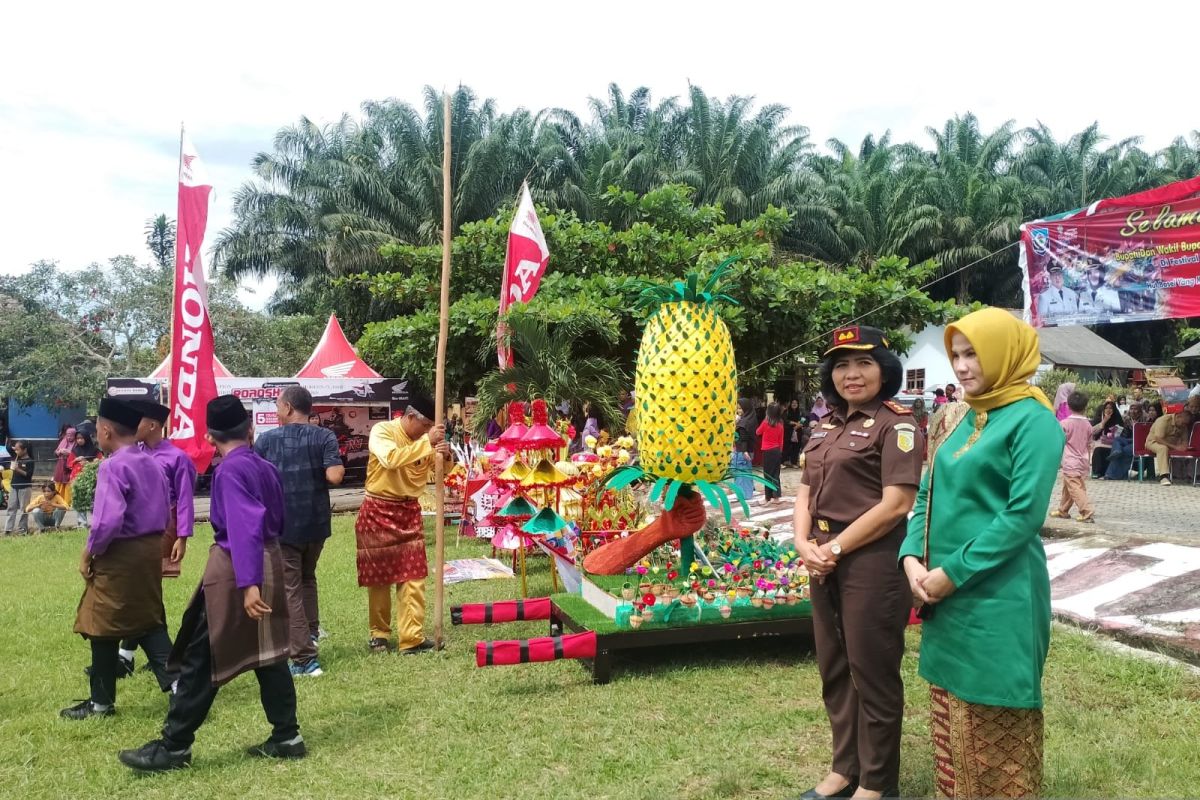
(591, 285)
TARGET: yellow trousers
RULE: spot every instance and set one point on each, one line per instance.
(410, 612)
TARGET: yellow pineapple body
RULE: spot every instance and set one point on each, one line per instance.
(686, 389)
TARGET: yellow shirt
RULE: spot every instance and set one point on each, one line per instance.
(397, 466)
(47, 506)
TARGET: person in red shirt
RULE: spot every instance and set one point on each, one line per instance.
(771, 431)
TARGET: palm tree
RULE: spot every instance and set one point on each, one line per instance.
(962, 208)
(859, 192)
(1066, 175)
(160, 239)
(555, 363)
(741, 160)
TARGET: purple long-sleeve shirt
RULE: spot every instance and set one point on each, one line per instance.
(181, 480)
(246, 511)
(132, 499)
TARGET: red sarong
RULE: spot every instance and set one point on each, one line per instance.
(391, 542)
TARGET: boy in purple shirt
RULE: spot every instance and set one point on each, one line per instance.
(237, 619)
(121, 563)
(181, 481)
(1076, 461)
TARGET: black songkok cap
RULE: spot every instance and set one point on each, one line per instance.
(420, 402)
(857, 337)
(121, 412)
(155, 411)
(225, 413)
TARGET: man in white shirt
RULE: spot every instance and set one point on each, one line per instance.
(1096, 296)
(1056, 299)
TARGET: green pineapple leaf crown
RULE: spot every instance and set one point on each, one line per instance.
(667, 490)
(687, 290)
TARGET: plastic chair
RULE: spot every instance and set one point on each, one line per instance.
(1141, 430)
(1192, 452)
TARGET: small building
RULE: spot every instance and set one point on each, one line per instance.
(1072, 347)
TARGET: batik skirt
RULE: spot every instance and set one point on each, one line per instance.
(985, 751)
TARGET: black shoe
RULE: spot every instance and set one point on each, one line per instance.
(156, 757)
(378, 645)
(813, 794)
(270, 749)
(85, 709)
(124, 667)
(426, 644)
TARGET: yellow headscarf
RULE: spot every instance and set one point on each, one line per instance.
(1009, 353)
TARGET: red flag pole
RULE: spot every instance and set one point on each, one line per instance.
(439, 589)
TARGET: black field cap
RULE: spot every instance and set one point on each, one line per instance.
(420, 402)
(155, 411)
(225, 413)
(857, 337)
(121, 412)
(1054, 268)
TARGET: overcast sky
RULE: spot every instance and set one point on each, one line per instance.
(92, 95)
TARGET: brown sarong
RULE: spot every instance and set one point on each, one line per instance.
(238, 642)
(391, 541)
(123, 596)
(985, 751)
(171, 569)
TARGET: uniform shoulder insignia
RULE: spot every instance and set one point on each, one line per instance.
(899, 409)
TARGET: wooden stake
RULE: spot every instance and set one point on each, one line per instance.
(439, 589)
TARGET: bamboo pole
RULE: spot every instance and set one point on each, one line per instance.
(439, 589)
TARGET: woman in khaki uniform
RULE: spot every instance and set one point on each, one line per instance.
(862, 469)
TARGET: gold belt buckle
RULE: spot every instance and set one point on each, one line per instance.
(823, 526)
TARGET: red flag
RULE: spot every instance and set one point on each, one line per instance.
(193, 383)
(524, 263)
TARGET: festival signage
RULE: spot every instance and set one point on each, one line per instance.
(1125, 259)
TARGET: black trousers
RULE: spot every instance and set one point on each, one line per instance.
(103, 679)
(157, 646)
(195, 694)
(771, 462)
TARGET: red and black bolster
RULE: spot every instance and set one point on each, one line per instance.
(503, 611)
(544, 648)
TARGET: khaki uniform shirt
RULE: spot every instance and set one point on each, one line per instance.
(1165, 431)
(849, 461)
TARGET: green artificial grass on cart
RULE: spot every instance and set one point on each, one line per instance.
(736, 720)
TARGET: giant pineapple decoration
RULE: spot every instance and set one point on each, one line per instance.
(686, 394)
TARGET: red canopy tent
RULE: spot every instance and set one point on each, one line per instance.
(163, 370)
(335, 357)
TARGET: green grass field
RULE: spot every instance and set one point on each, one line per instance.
(738, 722)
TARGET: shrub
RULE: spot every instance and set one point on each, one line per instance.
(83, 488)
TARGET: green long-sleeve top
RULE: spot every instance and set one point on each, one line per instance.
(987, 642)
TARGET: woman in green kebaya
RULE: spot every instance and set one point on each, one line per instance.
(976, 565)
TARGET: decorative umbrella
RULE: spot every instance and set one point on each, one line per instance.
(540, 435)
(516, 430)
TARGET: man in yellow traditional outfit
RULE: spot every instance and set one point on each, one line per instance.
(389, 531)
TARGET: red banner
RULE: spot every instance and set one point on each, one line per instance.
(524, 263)
(193, 383)
(1126, 259)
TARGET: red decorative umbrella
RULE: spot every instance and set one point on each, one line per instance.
(540, 435)
(517, 429)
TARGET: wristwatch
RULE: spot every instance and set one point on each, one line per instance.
(835, 548)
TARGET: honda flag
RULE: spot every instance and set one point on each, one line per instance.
(524, 264)
(193, 383)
